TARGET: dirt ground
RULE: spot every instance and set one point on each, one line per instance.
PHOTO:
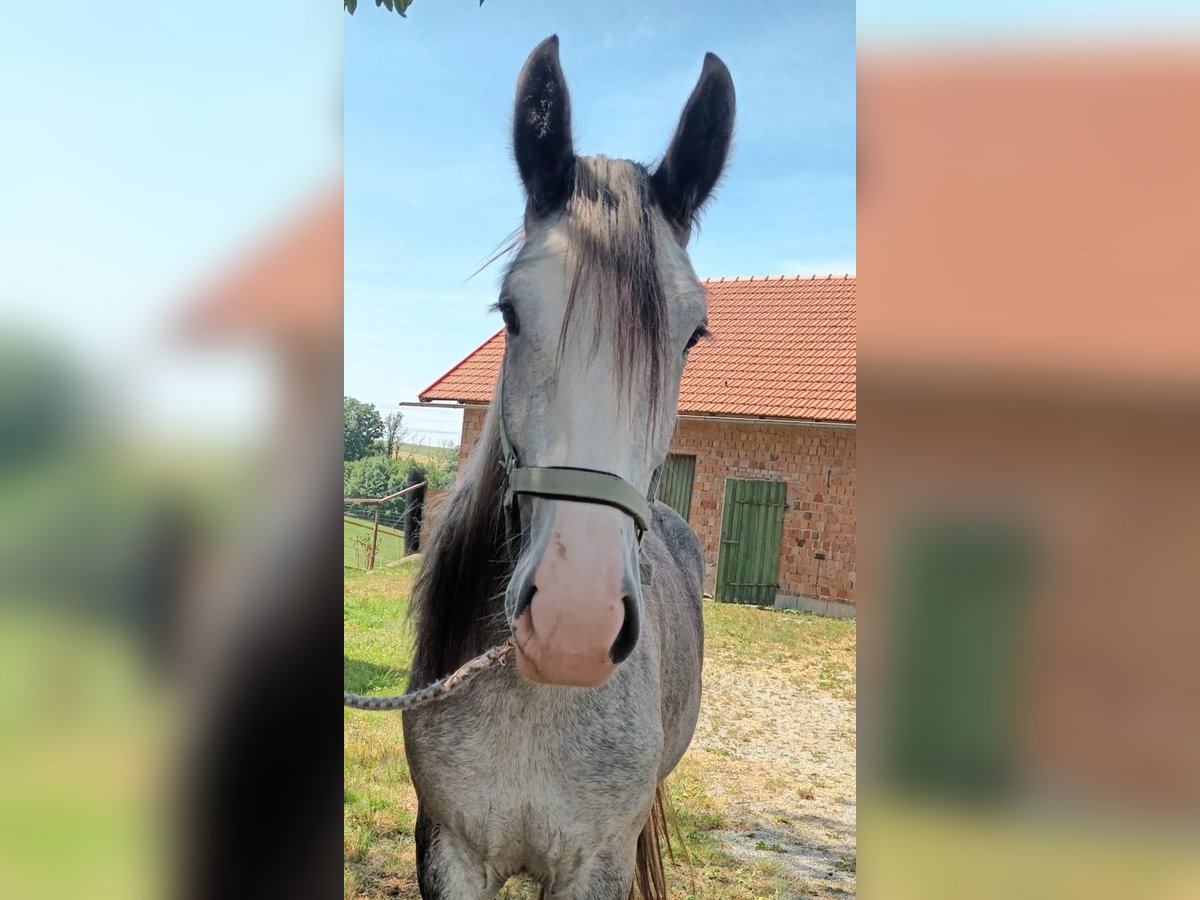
(783, 773)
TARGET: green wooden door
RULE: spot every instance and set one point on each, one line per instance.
(675, 486)
(961, 606)
(751, 537)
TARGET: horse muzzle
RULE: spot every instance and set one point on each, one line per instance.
(578, 608)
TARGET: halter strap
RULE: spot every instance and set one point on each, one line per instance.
(588, 485)
(568, 483)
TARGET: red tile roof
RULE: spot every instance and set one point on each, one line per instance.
(781, 348)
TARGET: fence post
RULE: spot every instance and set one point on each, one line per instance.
(414, 506)
(374, 539)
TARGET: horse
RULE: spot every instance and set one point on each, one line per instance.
(554, 767)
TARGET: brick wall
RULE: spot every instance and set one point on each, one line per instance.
(818, 465)
(472, 428)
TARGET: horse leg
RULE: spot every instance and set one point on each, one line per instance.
(445, 869)
(608, 876)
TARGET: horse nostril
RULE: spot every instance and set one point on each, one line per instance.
(528, 589)
(627, 637)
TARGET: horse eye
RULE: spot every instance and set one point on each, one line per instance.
(699, 333)
(510, 317)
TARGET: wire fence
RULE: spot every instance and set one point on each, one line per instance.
(373, 531)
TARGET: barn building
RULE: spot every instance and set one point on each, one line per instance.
(762, 461)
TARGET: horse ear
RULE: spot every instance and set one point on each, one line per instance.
(542, 129)
(697, 154)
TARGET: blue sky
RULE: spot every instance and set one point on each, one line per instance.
(934, 21)
(147, 146)
(431, 189)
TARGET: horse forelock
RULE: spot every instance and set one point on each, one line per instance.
(613, 259)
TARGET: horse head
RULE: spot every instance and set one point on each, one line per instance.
(601, 307)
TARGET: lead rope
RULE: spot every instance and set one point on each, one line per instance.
(439, 690)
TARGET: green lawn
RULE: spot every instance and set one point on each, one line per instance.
(356, 538)
(714, 790)
(423, 453)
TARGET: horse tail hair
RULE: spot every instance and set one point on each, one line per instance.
(650, 879)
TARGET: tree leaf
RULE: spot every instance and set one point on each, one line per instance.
(351, 6)
(402, 7)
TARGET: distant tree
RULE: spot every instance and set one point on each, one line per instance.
(363, 427)
(398, 6)
(370, 477)
(376, 477)
(394, 430)
(442, 465)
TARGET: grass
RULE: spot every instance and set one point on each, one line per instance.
(356, 539)
(810, 649)
(380, 807)
(424, 453)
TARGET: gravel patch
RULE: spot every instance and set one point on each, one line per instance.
(784, 764)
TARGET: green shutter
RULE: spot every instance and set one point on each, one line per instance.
(751, 538)
(675, 486)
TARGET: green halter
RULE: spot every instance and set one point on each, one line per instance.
(568, 483)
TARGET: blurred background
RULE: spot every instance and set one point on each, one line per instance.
(170, 320)
(1029, 386)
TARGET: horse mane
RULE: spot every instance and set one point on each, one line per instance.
(466, 565)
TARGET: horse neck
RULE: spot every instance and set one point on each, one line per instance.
(458, 597)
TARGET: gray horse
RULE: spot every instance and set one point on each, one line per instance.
(553, 766)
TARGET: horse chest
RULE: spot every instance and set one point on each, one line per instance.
(532, 777)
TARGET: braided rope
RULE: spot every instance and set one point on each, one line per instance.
(439, 690)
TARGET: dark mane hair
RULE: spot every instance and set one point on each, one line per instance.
(466, 564)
